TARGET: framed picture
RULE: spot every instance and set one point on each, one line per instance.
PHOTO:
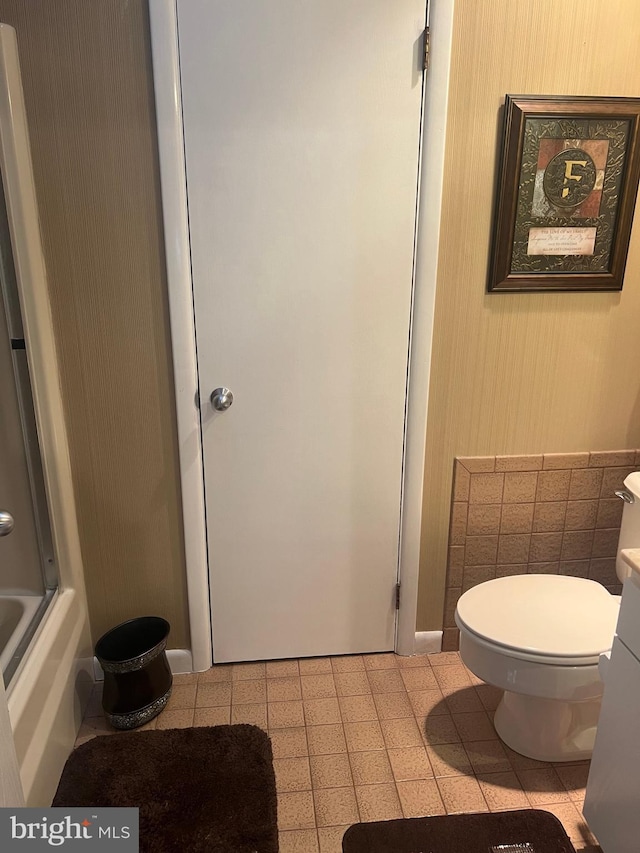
(566, 193)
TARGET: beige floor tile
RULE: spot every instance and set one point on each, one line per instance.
(93, 726)
(178, 719)
(283, 689)
(363, 737)
(248, 671)
(326, 740)
(219, 716)
(321, 712)
(148, 727)
(461, 794)
(331, 771)
(543, 786)
(489, 696)
(419, 678)
(292, 774)
(335, 806)
(464, 701)
(439, 729)
(502, 791)
(357, 709)
(347, 663)
(444, 658)
(253, 715)
(378, 802)
(522, 762)
(386, 680)
(409, 763)
(182, 696)
(473, 678)
(352, 683)
(474, 726)
(314, 666)
(221, 672)
(449, 759)
(574, 778)
(393, 706)
(319, 686)
(181, 678)
(289, 743)
(295, 810)
(298, 841)
(383, 660)
(574, 824)
(420, 798)
(487, 756)
(249, 691)
(451, 676)
(285, 715)
(94, 705)
(330, 838)
(213, 693)
(410, 661)
(370, 768)
(426, 702)
(282, 669)
(401, 733)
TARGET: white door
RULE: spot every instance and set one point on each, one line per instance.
(302, 133)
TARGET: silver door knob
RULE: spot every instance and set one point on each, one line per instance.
(6, 523)
(221, 399)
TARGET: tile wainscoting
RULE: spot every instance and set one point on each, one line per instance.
(553, 513)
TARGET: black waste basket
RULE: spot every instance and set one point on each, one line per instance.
(137, 677)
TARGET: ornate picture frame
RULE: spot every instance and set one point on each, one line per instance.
(567, 189)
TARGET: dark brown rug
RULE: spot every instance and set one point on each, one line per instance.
(201, 789)
(522, 831)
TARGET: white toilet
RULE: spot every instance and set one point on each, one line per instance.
(539, 637)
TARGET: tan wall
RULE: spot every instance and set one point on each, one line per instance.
(88, 88)
(514, 373)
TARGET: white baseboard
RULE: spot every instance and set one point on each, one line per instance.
(179, 660)
(428, 642)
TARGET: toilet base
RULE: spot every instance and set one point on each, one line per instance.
(547, 729)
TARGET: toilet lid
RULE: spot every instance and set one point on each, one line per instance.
(547, 615)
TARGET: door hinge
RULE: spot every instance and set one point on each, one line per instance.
(427, 45)
(397, 596)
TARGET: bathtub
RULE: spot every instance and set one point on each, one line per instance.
(17, 613)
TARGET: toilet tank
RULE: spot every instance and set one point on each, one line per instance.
(630, 528)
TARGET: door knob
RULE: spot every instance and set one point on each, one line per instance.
(221, 399)
(6, 523)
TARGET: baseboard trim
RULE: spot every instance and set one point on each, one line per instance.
(179, 660)
(428, 642)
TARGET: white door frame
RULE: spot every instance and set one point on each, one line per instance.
(166, 71)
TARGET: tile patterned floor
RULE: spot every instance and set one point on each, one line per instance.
(372, 737)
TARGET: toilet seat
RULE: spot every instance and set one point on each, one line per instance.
(548, 619)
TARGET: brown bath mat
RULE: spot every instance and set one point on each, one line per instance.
(201, 789)
(522, 831)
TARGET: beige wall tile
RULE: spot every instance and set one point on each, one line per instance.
(585, 484)
(461, 481)
(378, 802)
(520, 487)
(510, 569)
(576, 545)
(519, 463)
(420, 797)
(575, 568)
(473, 575)
(370, 768)
(613, 480)
(517, 518)
(480, 550)
(483, 519)
(486, 488)
(478, 464)
(581, 515)
(612, 458)
(545, 547)
(450, 639)
(456, 565)
(555, 461)
(458, 528)
(548, 568)
(514, 548)
(637, 461)
(609, 512)
(289, 743)
(553, 486)
(605, 543)
(603, 570)
(548, 517)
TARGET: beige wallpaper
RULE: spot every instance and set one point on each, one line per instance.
(88, 88)
(513, 373)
